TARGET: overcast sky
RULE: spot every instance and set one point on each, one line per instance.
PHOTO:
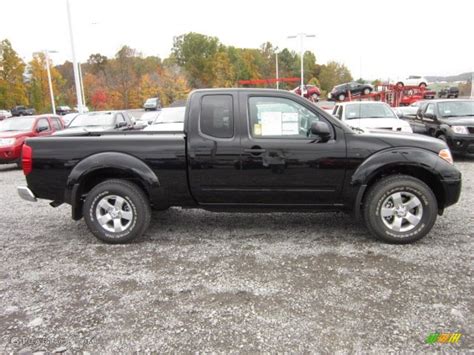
(375, 39)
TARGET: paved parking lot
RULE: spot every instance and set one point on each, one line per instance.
(202, 281)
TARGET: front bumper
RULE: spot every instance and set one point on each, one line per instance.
(452, 191)
(26, 194)
(461, 143)
(10, 154)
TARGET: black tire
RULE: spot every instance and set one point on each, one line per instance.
(135, 201)
(382, 191)
(341, 97)
(366, 91)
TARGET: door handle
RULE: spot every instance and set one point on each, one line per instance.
(256, 150)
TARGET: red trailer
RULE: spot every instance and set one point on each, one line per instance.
(394, 95)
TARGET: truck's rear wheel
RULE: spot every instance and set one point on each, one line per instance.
(117, 211)
(400, 209)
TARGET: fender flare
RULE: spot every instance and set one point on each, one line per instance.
(106, 160)
(391, 158)
(442, 129)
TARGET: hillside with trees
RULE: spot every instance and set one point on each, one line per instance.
(128, 78)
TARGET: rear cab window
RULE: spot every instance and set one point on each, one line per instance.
(217, 116)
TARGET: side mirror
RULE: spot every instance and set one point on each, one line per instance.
(431, 116)
(322, 130)
(41, 129)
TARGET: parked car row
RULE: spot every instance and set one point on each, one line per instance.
(14, 130)
(22, 111)
(449, 120)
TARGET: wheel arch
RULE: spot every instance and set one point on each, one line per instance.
(420, 164)
(103, 166)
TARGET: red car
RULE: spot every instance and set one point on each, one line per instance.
(310, 92)
(14, 131)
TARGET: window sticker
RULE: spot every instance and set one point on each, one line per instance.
(289, 124)
(257, 129)
(271, 123)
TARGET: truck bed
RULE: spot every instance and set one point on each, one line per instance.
(54, 159)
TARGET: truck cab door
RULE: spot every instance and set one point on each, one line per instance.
(213, 147)
(282, 162)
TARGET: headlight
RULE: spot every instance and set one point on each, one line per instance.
(460, 129)
(446, 155)
(6, 142)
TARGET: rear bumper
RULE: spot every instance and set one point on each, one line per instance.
(26, 194)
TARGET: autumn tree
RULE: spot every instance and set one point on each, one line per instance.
(223, 71)
(97, 63)
(38, 86)
(194, 52)
(12, 86)
(332, 74)
(124, 77)
(172, 84)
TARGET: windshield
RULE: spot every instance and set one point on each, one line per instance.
(456, 108)
(93, 120)
(171, 115)
(17, 124)
(150, 101)
(354, 111)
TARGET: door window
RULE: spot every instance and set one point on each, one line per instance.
(120, 118)
(272, 117)
(217, 119)
(430, 109)
(56, 124)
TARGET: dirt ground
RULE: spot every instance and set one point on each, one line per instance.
(202, 281)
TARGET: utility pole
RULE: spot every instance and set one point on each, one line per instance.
(82, 84)
(472, 85)
(74, 61)
(50, 83)
(276, 68)
(302, 36)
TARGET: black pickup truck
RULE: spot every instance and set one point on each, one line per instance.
(245, 150)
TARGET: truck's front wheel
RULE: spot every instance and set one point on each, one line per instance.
(400, 209)
(117, 211)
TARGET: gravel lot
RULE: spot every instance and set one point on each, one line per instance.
(202, 281)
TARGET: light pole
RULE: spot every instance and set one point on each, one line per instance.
(50, 83)
(82, 84)
(302, 36)
(74, 62)
(276, 68)
(472, 85)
